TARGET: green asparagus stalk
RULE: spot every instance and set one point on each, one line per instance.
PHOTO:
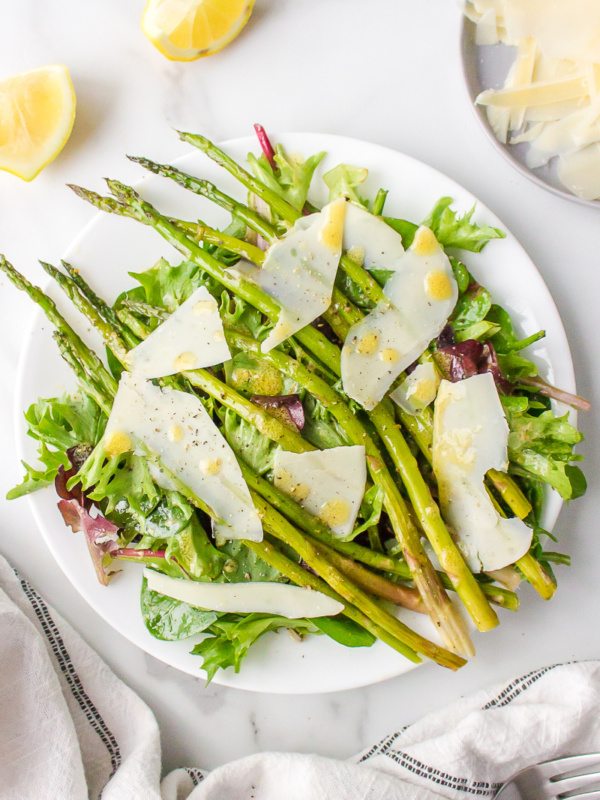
(106, 312)
(301, 577)
(86, 381)
(378, 586)
(206, 189)
(512, 495)
(431, 520)
(281, 529)
(355, 272)
(89, 359)
(537, 576)
(425, 577)
(112, 338)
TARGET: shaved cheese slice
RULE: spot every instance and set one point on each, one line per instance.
(563, 28)
(470, 436)
(529, 135)
(369, 240)
(535, 94)
(580, 172)
(418, 390)
(191, 338)
(420, 297)
(299, 270)
(253, 597)
(566, 135)
(487, 28)
(328, 483)
(522, 75)
(176, 426)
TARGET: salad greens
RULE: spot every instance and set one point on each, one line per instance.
(292, 399)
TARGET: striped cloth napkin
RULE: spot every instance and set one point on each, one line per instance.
(71, 730)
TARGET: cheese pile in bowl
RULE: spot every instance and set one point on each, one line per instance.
(551, 96)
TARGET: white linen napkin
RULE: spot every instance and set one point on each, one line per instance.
(71, 730)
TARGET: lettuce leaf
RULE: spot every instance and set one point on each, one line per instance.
(541, 447)
(292, 179)
(343, 180)
(231, 637)
(58, 424)
(453, 231)
(168, 287)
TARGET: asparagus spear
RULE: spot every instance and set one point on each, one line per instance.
(355, 272)
(301, 577)
(281, 529)
(426, 580)
(450, 558)
(88, 358)
(512, 495)
(86, 381)
(319, 531)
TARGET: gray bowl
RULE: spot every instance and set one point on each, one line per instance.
(487, 68)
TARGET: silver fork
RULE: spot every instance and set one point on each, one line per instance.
(554, 779)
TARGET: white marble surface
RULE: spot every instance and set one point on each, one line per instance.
(387, 71)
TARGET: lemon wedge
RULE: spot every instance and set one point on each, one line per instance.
(37, 110)
(184, 30)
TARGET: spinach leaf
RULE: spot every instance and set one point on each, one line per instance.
(172, 620)
(405, 228)
(344, 631)
(244, 565)
(472, 307)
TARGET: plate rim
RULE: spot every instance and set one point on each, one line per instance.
(224, 678)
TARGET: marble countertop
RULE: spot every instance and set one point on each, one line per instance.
(383, 71)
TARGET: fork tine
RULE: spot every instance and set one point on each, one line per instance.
(568, 764)
(562, 785)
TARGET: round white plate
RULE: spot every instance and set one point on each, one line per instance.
(486, 67)
(109, 247)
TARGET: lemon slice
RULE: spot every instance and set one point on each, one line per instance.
(184, 30)
(37, 110)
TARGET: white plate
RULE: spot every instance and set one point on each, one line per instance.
(109, 247)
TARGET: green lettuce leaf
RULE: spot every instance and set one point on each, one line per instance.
(232, 636)
(453, 231)
(293, 177)
(58, 424)
(343, 180)
(168, 287)
(542, 446)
